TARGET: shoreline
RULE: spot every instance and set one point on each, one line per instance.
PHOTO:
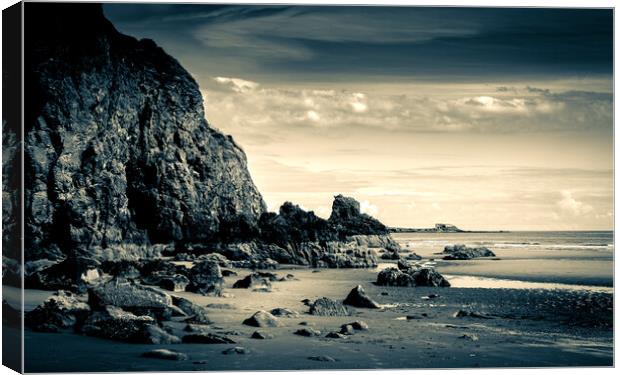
(530, 327)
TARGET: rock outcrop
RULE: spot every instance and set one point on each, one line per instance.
(411, 277)
(121, 167)
(117, 148)
(462, 252)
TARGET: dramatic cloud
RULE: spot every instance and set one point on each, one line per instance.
(496, 118)
(255, 107)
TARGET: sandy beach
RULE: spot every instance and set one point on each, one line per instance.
(569, 326)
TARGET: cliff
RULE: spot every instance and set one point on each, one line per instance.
(117, 148)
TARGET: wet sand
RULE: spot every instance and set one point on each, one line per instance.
(530, 328)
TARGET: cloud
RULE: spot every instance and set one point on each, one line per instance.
(236, 84)
(253, 107)
(368, 208)
(571, 205)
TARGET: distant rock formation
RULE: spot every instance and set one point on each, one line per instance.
(439, 228)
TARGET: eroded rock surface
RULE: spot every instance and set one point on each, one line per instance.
(117, 148)
(411, 277)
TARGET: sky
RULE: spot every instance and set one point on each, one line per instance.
(485, 118)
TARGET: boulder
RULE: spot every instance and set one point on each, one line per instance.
(206, 278)
(74, 274)
(262, 319)
(153, 334)
(174, 283)
(358, 298)
(227, 273)
(357, 325)
(260, 335)
(462, 252)
(403, 265)
(197, 314)
(253, 280)
(411, 278)
(125, 269)
(328, 307)
(347, 329)
(206, 338)
(307, 332)
(336, 335)
(413, 256)
(132, 297)
(165, 354)
(390, 255)
(218, 258)
(114, 323)
(471, 314)
(63, 310)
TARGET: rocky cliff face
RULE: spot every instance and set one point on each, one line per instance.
(117, 148)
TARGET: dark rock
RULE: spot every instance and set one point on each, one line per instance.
(121, 153)
(412, 277)
(336, 335)
(262, 319)
(289, 277)
(165, 354)
(462, 252)
(390, 255)
(348, 220)
(471, 314)
(236, 350)
(60, 311)
(308, 332)
(197, 314)
(261, 335)
(306, 323)
(227, 273)
(403, 265)
(184, 257)
(328, 307)
(175, 283)
(347, 329)
(357, 325)
(284, 312)
(322, 358)
(114, 323)
(124, 269)
(74, 274)
(206, 278)
(220, 259)
(206, 338)
(157, 336)
(132, 297)
(413, 256)
(306, 301)
(358, 298)
(253, 280)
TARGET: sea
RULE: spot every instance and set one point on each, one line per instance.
(548, 260)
